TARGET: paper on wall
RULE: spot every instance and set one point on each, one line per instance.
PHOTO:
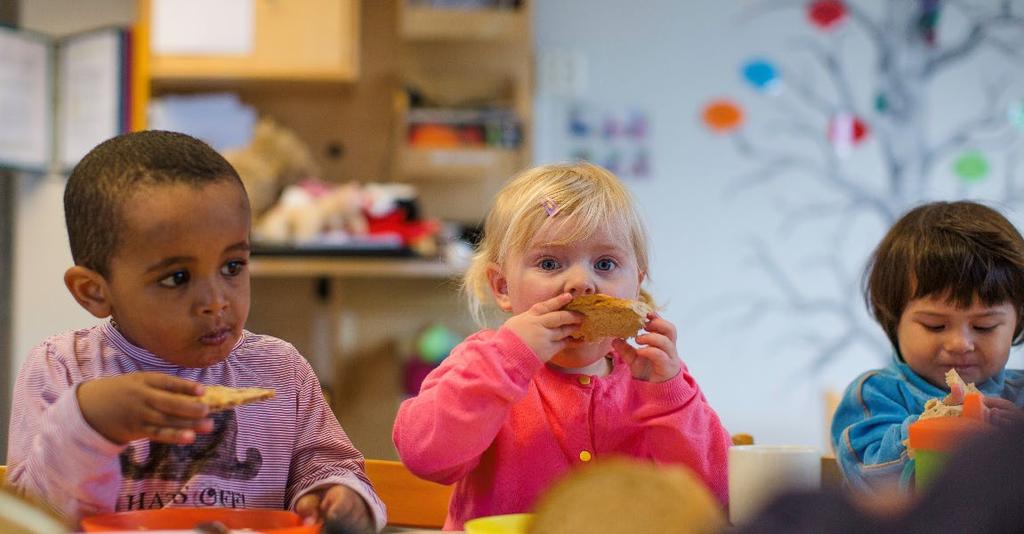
(201, 27)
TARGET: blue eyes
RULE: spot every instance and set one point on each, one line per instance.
(547, 264)
(603, 264)
(180, 278)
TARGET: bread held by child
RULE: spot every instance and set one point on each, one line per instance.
(220, 398)
(952, 405)
(607, 316)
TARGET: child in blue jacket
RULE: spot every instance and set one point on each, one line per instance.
(947, 285)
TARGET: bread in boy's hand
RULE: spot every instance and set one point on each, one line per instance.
(608, 316)
(220, 398)
(623, 495)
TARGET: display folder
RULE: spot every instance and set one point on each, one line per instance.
(61, 97)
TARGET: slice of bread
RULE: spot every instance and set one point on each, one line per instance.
(951, 405)
(220, 398)
(608, 316)
(627, 496)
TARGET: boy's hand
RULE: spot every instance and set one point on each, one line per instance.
(546, 327)
(339, 503)
(155, 406)
(656, 360)
(1003, 412)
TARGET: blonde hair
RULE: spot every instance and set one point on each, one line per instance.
(588, 194)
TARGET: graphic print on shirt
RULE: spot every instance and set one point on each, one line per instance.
(213, 454)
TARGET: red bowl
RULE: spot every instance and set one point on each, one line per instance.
(263, 520)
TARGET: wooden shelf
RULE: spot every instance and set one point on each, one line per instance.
(309, 266)
(439, 24)
(457, 163)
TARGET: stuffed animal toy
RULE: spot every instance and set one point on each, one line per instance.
(311, 209)
(274, 159)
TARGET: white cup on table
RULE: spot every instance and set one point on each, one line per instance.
(757, 473)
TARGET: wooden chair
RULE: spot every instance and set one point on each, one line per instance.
(831, 475)
(411, 501)
(3, 475)
(742, 439)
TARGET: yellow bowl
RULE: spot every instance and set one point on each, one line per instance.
(499, 524)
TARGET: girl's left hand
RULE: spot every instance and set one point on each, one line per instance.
(336, 503)
(656, 360)
(1003, 412)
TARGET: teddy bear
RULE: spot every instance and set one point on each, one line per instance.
(274, 159)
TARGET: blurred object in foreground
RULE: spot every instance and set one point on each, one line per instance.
(627, 496)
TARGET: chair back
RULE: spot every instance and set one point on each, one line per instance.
(411, 501)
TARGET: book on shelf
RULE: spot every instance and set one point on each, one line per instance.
(61, 97)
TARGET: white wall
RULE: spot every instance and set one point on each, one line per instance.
(669, 57)
(41, 304)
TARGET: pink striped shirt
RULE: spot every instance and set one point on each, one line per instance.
(262, 455)
(502, 426)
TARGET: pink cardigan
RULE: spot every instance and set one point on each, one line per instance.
(502, 426)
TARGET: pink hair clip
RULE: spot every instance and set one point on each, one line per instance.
(549, 206)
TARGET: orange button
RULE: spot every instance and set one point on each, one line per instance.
(585, 456)
(584, 379)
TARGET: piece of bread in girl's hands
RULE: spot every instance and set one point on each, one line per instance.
(220, 398)
(606, 316)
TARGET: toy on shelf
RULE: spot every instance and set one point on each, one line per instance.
(432, 345)
(313, 213)
(274, 159)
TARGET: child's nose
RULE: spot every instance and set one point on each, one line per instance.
(959, 342)
(212, 299)
(579, 282)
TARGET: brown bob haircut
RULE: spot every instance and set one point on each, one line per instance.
(958, 250)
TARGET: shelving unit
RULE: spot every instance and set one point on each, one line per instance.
(458, 60)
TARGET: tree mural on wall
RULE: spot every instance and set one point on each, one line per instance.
(814, 133)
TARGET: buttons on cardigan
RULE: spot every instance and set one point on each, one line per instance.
(584, 379)
(585, 456)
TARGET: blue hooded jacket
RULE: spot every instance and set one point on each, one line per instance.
(869, 427)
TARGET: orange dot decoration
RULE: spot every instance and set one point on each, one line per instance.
(826, 14)
(723, 116)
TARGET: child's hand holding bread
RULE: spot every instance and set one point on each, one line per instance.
(546, 327)
(604, 316)
(150, 405)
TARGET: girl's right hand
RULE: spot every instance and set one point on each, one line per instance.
(546, 327)
(155, 406)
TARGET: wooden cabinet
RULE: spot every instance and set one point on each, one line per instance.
(314, 40)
